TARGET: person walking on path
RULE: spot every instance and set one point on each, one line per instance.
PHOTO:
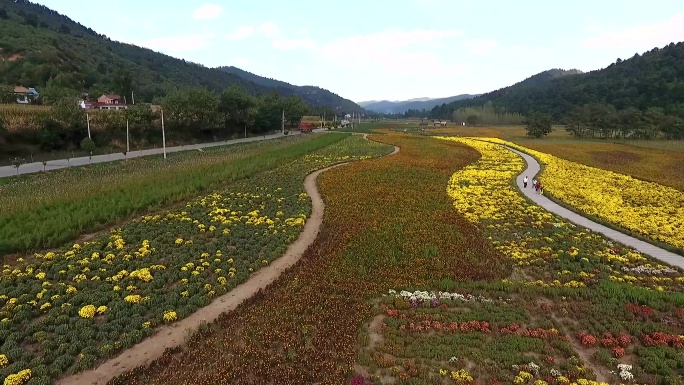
(534, 183)
(525, 182)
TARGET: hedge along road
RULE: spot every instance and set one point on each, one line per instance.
(30, 168)
(174, 335)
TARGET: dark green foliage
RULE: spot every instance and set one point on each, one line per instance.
(538, 125)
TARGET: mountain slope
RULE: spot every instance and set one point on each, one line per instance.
(38, 44)
(399, 107)
(654, 79)
(312, 95)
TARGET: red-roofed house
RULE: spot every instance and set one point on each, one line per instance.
(109, 102)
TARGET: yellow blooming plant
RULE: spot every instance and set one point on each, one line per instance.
(19, 378)
(87, 311)
(170, 316)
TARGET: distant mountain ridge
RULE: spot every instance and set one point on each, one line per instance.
(401, 106)
(39, 44)
(653, 79)
(311, 94)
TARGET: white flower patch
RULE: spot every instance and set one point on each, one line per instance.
(534, 368)
(625, 373)
(430, 296)
(646, 269)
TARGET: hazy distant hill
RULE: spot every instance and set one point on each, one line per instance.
(399, 107)
(312, 95)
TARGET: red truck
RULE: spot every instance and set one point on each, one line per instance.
(306, 127)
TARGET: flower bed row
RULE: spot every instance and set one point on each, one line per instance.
(62, 311)
(388, 223)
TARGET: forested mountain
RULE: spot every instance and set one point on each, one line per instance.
(399, 107)
(654, 79)
(312, 95)
(38, 45)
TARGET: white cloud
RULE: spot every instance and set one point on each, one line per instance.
(183, 43)
(392, 52)
(640, 38)
(242, 62)
(208, 12)
(240, 33)
(269, 30)
(293, 44)
(480, 46)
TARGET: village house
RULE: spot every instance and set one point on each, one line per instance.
(105, 102)
(25, 95)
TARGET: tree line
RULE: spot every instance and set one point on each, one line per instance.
(487, 115)
(191, 114)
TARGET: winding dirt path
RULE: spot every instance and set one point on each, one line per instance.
(174, 335)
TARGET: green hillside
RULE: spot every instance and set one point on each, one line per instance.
(654, 80)
(40, 45)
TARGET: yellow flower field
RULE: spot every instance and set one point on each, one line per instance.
(647, 208)
(549, 250)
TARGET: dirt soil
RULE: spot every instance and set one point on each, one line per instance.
(175, 335)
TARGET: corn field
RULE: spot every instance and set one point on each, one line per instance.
(18, 117)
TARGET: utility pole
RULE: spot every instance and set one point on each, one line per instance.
(88, 119)
(163, 133)
(128, 141)
(132, 98)
(283, 123)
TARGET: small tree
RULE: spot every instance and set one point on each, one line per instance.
(7, 94)
(88, 144)
(538, 125)
(472, 120)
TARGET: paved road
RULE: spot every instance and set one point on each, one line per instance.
(644, 247)
(29, 168)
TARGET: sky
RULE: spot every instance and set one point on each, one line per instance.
(389, 49)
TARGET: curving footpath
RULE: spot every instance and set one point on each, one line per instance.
(654, 251)
(174, 335)
(31, 168)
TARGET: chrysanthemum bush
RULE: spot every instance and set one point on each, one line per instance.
(647, 208)
(64, 310)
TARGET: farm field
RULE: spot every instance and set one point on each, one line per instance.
(46, 209)
(65, 309)
(432, 269)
